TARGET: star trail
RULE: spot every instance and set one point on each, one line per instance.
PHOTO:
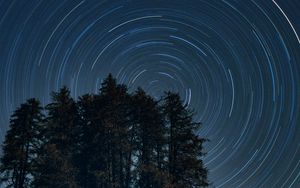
(236, 63)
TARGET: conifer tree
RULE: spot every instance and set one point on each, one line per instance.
(114, 102)
(55, 164)
(185, 146)
(20, 145)
(88, 150)
(150, 140)
(105, 135)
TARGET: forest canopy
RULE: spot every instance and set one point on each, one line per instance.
(111, 139)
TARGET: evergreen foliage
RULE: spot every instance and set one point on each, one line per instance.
(21, 145)
(112, 139)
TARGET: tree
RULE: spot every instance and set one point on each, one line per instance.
(55, 164)
(150, 140)
(89, 156)
(20, 145)
(104, 136)
(185, 146)
(113, 113)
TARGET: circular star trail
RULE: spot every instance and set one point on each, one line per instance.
(236, 63)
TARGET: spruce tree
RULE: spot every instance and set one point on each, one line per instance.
(20, 145)
(88, 157)
(185, 146)
(113, 113)
(104, 136)
(150, 140)
(55, 164)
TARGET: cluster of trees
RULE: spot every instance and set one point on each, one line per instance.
(112, 139)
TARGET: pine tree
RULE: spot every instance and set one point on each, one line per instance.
(55, 164)
(20, 145)
(113, 113)
(150, 140)
(185, 146)
(88, 155)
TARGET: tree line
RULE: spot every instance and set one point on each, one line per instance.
(112, 139)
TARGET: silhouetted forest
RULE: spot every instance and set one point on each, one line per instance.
(112, 139)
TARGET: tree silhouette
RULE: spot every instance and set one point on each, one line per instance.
(20, 145)
(113, 112)
(185, 147)
(55, 163)
(86, 146)
(111, 139)
(150, 140)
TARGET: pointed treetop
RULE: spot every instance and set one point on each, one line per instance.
(61, 95)
(140, 91)
(108, 84)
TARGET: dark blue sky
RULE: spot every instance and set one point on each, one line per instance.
(237, 63)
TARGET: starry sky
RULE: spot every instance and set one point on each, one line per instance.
(235, 62)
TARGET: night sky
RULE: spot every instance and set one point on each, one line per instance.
(235, 62)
